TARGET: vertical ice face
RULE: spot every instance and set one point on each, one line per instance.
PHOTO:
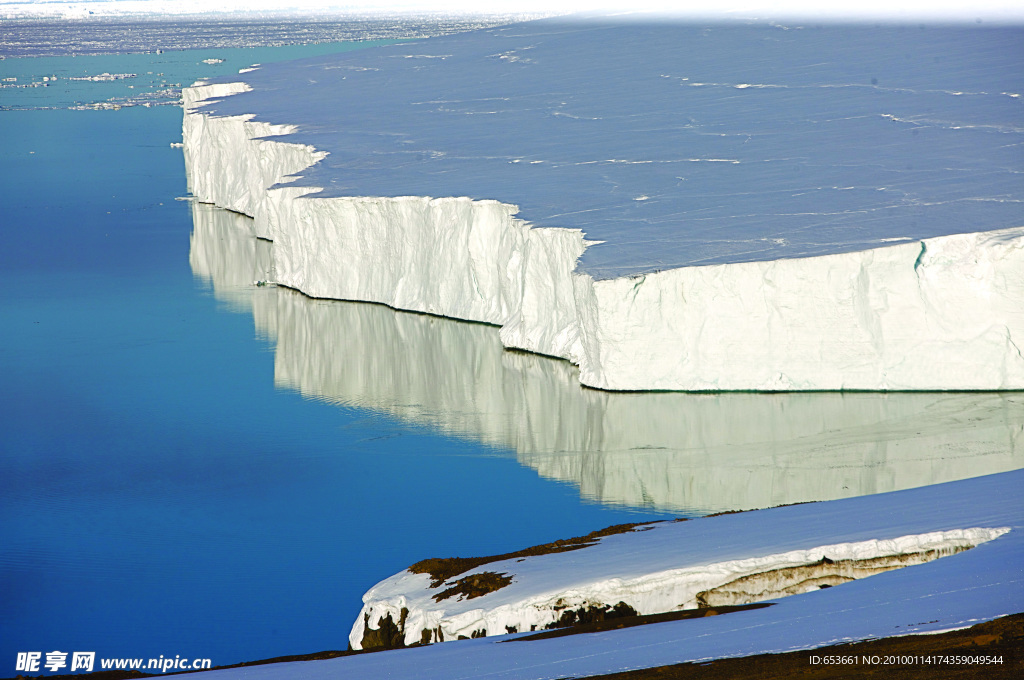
(940, 312)
(229, 161)
(677, 452)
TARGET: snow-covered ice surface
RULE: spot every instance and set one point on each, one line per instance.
(976, 585)
(662, 572)
(669, 207)
(686, 453)
(677, 145)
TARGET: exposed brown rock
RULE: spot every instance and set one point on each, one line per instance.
(387, 634)
(475, 585)
(441, 569)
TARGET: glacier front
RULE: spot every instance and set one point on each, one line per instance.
(679, 452)
(729, 207)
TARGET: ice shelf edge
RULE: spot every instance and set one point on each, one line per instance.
(940, 314)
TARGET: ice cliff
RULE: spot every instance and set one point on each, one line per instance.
(850, 306)
(679, 452)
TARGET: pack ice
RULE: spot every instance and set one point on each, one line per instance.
(670, 207)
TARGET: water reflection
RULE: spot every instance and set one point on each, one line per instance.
(671, 451)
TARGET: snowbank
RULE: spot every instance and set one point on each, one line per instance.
(937, 314)
(951, 592)
(543, 588)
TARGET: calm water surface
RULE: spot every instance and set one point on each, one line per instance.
(191, 464)
(158, 493)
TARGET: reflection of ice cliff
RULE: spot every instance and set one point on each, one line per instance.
(668, 450)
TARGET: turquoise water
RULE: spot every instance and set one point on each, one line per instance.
(118, 80)
(159, 494)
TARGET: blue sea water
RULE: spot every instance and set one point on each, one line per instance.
(158, 493)
(113, 81)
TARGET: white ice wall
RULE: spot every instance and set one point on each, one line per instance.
(679, 452)
(941, 314)
(229, 163)
(944, 313)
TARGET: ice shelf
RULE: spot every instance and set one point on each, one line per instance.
(668, 207)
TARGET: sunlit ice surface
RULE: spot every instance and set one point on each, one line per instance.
(121, 341)
(736, 143)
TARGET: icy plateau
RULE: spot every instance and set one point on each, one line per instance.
(668, 207)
